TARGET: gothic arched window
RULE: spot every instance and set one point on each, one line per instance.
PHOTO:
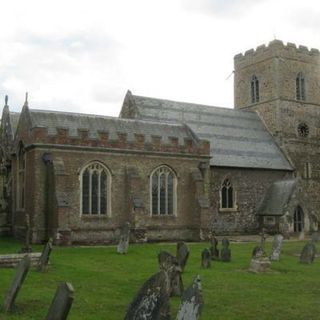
(298, 219)
(21, 166)
(227, 195)
(300, 87)
(163, 184)
(255, 97)
(95, 190)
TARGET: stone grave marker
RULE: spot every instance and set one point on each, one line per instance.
(308, 253)
(315, 237)
(21, 273)
(214, 251)
(182, 254)
(276, 247)
(191, 302)
(123, 245)
(170, 264)
(44, 259)
(260, 262)
(205, 259)
(152, 300)
(61, 303)
(225, 251)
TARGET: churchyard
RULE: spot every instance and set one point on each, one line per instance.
(105, 282)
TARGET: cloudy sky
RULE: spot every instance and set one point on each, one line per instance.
(83, 55)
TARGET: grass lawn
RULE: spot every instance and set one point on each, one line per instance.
(106, 282)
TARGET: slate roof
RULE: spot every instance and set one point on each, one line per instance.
(237, 138)
(277, 198)
(95, 124)
(14, 119)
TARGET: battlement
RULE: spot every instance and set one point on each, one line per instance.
(277, 48)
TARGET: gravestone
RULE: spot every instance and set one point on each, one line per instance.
(205, 259)
(259, 262)
(214, 251)
(315, 237)
(259, 251)
(276, 247)
(182, 254)
(152, 300)
(123, 245)
(170, 264)
(44, 259)
(191, 302)
(225, 251)
(61, 303)
(308, 253)
(21, 273)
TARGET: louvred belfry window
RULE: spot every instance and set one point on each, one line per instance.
(300, 87)
(255, 94)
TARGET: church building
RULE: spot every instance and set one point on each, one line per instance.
(173, 170)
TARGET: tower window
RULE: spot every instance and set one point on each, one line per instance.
(254, 89)
(300, 87)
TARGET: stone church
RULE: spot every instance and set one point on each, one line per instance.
(174, 170)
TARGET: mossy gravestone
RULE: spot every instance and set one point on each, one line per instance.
(214, 251)
(308, 253)
(205, 259)
(225, 251)
(21, 273)
(276, 247)
(44, 259)
(182, 254)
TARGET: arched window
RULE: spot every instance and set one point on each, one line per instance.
(300, 87)
(298, 219)
(163, 184)
(95, 190)
(227, 195)
(21, 166)
(255, 97)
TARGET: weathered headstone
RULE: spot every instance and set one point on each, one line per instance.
(214, 251)
(315, 237)
(170, 264)
(205, 259)
(259, 262)
(124, 239)
(182, 254)
(258, 251)
(21, 273)
(276, 247)
(308, 253)
(61, 303)
(191, 302)
(225, 255)
(152, 300)
(44, 259)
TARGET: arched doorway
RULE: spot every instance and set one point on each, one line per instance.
(298, 220)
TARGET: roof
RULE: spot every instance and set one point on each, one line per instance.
(237, 138)
(53, 120)
(14, 119)
(277, 198)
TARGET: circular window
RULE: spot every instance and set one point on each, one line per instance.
(303, 130)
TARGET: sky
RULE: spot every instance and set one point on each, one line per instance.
(83, 55)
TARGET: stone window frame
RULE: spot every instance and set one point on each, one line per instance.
(226, 185)
(163, 169)
(300, 87)
(108, 189)
(254, 89)
(307, 170)
(21, 177)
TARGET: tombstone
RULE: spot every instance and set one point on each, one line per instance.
(315, 237)
(258, 251)
(205, 259)
(225, 255)
(191, 302)
(44, 259)
(170, 264)
(182, 254)
(61, 303)
(214, 251)
(123, 245)
(276, 247)
(308, 253)
(21, 273)
(259, 262)
(152, 300)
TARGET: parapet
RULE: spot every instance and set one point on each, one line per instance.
(277, 48)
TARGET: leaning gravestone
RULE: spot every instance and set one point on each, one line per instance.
(205, 259)
(123, 245)
(182, 254)
(152, 300)
(214, 251)
(44, 259)
(21, 273)
(308, 253)
(191, 302)
(225, 251)
(61, 303)
(276, 247)
(170, 264)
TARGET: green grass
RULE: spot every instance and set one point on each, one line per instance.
(106, 282)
